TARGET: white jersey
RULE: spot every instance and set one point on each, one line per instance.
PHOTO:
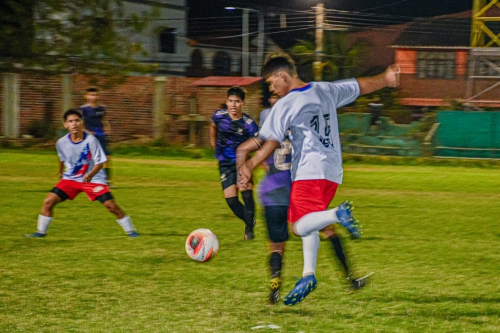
(79, 158)
(311, 115)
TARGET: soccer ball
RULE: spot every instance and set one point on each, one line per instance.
(202, 245)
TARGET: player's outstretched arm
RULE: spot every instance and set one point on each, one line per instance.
(88, 176)
(389, 78)
(245, 149)
(246, 169)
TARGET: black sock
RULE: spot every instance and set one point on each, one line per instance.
(275, 260)
(339, 252)
(249, 206)
(237, 207)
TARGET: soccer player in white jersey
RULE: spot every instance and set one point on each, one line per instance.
(309, 111)
(83, 158)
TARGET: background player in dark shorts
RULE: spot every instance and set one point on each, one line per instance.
(96, 122)
(230, 127)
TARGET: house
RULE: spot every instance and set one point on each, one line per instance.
(165, 38)
(434, 55)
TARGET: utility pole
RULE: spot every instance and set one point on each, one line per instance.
(318, 63)
(245, 55)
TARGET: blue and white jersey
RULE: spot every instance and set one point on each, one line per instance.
(79, 158)
(232, 133)
(274, 188)
(93, 117)
(311, 115)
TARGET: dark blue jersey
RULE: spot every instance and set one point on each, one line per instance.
(93, 117)
(231, 133)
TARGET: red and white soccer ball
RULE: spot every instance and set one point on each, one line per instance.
(202, 245)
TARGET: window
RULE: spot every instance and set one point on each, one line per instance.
(436, 65)
(167, 41)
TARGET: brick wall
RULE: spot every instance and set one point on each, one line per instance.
(40, 100)
(130, 105)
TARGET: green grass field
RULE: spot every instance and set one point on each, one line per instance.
(431, 235)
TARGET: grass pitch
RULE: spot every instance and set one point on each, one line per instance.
(431, 235)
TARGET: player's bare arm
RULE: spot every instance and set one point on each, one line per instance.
(389, 78)
(61, 169)
(213, 134)
(106, 125)
(88, 177)
(246, 169)
(245, 149)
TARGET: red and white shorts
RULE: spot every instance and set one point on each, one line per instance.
(73, 188)
(308, 196)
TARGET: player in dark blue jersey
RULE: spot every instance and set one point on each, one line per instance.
(231, 127)
(274, 193)
(94, 117)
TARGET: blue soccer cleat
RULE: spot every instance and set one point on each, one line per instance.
(344, 214)
(35, 235)
(302, 288)
(133, 234)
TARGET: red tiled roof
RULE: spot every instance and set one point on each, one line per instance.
(226, 81)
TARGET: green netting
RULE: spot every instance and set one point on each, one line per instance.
(468, 134)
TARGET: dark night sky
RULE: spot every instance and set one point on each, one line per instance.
(400, 8)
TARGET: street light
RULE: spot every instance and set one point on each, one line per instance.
(245, 45)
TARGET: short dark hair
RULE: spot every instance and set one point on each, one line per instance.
(92, 89)
(276, 63)
(70, 112)
(237, 91)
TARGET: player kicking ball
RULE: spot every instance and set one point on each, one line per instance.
(83, 159)
(309, 111)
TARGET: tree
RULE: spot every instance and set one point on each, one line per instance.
(341, 58)
(93, 37)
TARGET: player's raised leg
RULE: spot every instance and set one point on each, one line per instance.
(339, 252)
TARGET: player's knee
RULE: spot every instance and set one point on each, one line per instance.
(49, 202)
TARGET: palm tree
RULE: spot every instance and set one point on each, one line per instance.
(341, 59)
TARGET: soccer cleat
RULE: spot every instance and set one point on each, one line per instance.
(249, 235)
(133, 234)
(302, 288)
(344, 214)
(359, 283)
(35, 235)
(274, 285)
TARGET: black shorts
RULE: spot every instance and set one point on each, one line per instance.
(228, 175)
(276, 220)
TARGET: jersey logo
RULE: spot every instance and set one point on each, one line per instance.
(240, 131)
(98, 189)
(82, 164)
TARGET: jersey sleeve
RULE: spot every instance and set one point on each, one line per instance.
(214, 118)
(277, 123)
(253, 129)
(344, 91)
(98, 154)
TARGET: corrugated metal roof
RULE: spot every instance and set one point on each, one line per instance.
(226, 81)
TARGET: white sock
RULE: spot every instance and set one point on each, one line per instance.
(43, 223)
(310, 246)
(126, 224)
(315, 222)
